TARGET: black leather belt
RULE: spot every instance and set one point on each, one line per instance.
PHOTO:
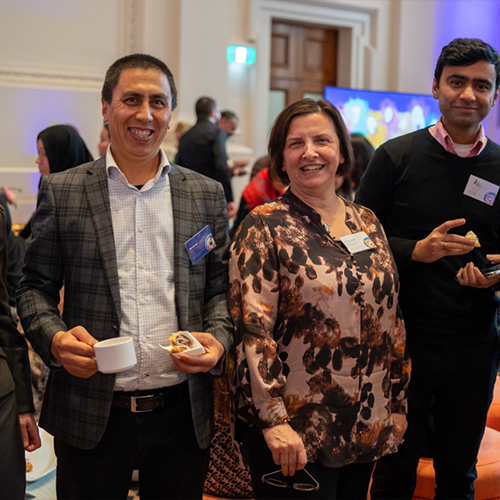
(142, 401)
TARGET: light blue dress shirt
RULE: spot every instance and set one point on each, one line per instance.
(143, 227)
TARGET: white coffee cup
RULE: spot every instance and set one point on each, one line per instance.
(115, 355)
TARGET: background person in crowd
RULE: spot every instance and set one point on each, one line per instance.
(18, 429)
(429, 189)
(114, 232)
(180, 129)
(321, 370)
(225, 477)
(343, 186)
(16, 248)
(59, 147)
(229, 122)
(203, 149)
(260, 164)
(105, 140)
(261, 189)
(8, 197)
(363, 152)
(346, 185)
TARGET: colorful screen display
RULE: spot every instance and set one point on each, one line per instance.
(383, 115)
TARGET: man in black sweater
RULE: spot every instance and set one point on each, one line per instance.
(203, 149)
(429, 189)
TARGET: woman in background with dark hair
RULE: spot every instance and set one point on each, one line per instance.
(321, 371)
(363, 152)
(60, 148)
(346, 185)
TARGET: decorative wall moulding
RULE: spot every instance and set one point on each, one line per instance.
(10, 77)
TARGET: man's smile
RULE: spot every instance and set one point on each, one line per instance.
(140, 132)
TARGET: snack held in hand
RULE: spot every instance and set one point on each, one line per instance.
(180, 342)
(183, 342)
(472, 235)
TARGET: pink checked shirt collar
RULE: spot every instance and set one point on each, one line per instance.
(439, 133)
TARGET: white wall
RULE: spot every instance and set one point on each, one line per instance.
(204, 32)
(415, 62)
(467, 19)
(54, 54)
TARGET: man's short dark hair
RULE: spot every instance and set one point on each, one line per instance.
(204, 106)
(464, 52)
(132, 61)
(281, 126)
(228, 115)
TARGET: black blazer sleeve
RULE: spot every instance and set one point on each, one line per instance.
(14, 360)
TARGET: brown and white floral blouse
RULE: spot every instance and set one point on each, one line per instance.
(320, 340)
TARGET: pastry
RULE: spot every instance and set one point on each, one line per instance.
(180, 342)
(472, 235)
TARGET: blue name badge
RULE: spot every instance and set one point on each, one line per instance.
(200, 244)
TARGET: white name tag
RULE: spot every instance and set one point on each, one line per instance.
(357, 242)
(481, 190)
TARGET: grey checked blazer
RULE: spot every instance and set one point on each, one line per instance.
(73, 244)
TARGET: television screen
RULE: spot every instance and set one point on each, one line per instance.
(383, 115)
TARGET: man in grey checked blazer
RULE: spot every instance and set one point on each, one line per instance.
(102, 432)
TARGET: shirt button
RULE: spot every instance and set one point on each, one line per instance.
(140, 229)
(141, 265)
(142, 301)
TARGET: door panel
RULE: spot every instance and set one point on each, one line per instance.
(303, 59)
(320, 62)
(284, 49)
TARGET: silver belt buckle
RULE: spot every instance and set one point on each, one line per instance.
(133, 403)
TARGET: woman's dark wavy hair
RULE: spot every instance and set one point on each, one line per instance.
(281, 126)
(132, 61)
(467, 51)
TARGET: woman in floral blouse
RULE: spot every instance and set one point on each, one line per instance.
(321, 376)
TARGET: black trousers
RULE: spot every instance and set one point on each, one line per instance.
(161, 444)
(458, 382)
(345, 483)
(12, 464)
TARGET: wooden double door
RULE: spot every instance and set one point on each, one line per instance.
(303, 60)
